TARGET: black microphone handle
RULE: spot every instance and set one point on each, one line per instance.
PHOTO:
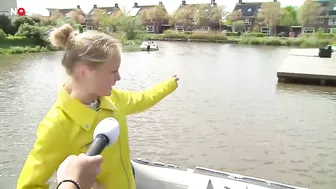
(98, 145)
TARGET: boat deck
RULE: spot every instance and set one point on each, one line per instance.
(305, 65)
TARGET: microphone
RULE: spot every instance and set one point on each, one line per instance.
(106, 133)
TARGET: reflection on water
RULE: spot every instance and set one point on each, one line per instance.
(229, 113)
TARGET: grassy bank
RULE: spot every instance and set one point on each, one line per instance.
(312, 41)
(21, 44)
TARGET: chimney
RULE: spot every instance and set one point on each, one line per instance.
(135, 5)
(240, 2)
(95, 6)
(78, 6)
(160, 3)
(116, 5)
(213, 2)
(183, 2)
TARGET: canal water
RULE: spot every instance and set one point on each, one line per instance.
(229, 113)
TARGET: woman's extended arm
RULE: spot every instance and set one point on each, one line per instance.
(50, 149)
(135, 102)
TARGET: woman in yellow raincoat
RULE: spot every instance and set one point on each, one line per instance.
(91, 60)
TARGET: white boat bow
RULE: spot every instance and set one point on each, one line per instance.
(157, 175)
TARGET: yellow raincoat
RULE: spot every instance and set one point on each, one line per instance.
(68, 129)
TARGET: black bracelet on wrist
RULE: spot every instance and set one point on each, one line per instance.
(69, 180)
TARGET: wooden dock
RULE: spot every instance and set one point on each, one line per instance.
(304, 65)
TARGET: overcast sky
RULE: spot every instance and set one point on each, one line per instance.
(86, 5)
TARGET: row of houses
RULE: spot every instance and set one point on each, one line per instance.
(151, 27)
(249, 11)
(326, 20)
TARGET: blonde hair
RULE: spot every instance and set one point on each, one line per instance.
(92, 47)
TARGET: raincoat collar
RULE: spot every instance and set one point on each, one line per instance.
(79, 112)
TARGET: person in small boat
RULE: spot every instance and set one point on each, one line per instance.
(81, 169)
(91, 61)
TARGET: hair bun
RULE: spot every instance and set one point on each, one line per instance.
(62, 36)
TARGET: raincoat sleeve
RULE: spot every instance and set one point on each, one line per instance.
(135, 102)
(47, 154)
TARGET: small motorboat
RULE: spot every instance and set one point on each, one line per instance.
(157, 175)
(149, 46)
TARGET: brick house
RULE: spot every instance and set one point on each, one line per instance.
(151, 26)
(249, 12)
(192, 26)
(89, 16)
(326, 20)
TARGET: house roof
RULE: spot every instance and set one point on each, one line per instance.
(136, 9)
(108, 10)
(329, 8)
(206, 6)
(63, 11)
(248, 9)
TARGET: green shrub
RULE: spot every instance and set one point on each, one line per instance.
(3, 35)
(231, 33)
(255, 34)
(174, 34)
(38, 33)
(272, 41)
(79, 27)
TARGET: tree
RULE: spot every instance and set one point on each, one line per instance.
(217, 15)
(238, 25)
(55, 15)
(99, 19)
(22, 20)
(77, 15)
(289, 16)
(270, 14)
(206, 14)
(131, 26)
(183, 16)
(309, 12)
(155, 15)
(106, 22)
(234, 16)
(201, 15)
(5, 24)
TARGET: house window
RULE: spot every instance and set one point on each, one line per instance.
(265, 30)
(150, 29)
(180, 28)
(88, 27)
(247, 21)
(332, 30)
(206, 28)
(332, 21)
(308, 30)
